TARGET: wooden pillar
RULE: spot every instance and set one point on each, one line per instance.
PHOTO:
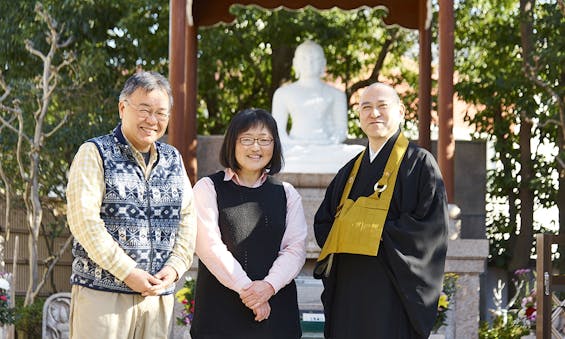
(177, 24)
(543, 291)
(190, 123)
(425, 80)
(446, 142)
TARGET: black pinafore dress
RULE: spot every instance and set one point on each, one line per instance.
(252, 222)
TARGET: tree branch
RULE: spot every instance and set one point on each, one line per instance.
(66, 62)
(19, 151)
(7, 194)
(7, 123)
(50, 263)
(550, 122)
(532, 74)
(15, 109)
(29, 47)
(65, 43)
(7, 89)
(59, 125)
(374, 77)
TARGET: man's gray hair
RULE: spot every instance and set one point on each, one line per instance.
(148, 81)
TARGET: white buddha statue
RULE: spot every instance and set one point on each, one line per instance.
(318, 112)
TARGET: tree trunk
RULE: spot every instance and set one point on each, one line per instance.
(32, 269)
(524, 240)
(522, 248)
(503, 138)
(281, 65)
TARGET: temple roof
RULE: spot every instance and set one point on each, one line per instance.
(405, 13)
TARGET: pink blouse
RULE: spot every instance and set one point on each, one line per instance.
(215, 255)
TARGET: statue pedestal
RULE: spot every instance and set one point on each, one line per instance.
(312, 188)
(318, 159)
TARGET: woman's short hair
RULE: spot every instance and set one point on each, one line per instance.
(242, 122)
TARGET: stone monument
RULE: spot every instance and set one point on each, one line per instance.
(318, 115)
(56, 313)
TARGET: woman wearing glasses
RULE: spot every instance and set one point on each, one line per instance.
(251, 238)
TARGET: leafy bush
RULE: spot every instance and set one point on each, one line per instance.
(503, 327)
(29, 318)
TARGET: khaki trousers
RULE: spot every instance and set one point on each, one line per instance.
(107, 315)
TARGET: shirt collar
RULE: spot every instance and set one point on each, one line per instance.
(137, 154)
(232, 175)
(373, 154)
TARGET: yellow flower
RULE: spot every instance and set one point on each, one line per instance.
(180, 294)
(443, 302)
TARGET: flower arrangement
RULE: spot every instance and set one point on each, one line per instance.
(527, 294)
(185, 296)
(7, 313)
(445, 300)
(517, 318)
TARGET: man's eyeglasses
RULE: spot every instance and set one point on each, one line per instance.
(246, 141)
(144, 112)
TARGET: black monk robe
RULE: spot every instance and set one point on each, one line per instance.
(392, 295)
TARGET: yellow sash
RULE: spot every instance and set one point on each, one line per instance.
(358, 225)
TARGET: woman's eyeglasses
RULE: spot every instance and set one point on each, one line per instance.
(246, 141)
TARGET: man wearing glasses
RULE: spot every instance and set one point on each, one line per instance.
(130, 209)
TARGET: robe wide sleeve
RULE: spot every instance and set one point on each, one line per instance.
(415, 239)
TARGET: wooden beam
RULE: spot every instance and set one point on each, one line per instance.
(404, 13)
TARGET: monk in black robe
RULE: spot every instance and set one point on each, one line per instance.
(393, 294)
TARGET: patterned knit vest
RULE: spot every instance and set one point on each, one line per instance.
(142, 215)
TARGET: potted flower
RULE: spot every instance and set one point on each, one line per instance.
(7, 313)
(528, 307)
(445, 303)
(517, 319)
(185, 296)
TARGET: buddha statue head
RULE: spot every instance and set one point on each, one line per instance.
(309, 60)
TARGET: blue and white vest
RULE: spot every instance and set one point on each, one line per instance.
(141, 215)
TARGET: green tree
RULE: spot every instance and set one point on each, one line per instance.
(541, 67)
(494, 40)
(33, 125)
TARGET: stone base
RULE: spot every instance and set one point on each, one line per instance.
(312, 188)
